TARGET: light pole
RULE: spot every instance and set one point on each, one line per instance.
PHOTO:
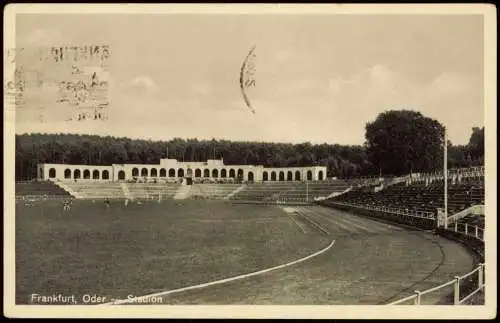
(445, 176)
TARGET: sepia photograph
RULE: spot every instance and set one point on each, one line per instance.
(250, 161)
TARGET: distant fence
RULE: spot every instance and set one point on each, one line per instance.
(272, 202)
(423, 220)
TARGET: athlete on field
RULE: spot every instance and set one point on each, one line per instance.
(67, 205)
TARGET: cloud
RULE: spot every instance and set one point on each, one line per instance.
(140, 85)
(334, 109)
(449, 83)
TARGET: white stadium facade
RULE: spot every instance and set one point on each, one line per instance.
(172, 169)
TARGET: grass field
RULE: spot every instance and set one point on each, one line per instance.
(144, 249)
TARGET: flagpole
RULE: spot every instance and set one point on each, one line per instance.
(445, 173)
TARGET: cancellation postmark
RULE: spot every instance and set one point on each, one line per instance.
(61, 81)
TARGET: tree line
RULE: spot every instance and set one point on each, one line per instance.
(395, 144)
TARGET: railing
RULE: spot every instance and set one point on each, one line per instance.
(40, 197)
(418, 214)
(416, 298)
(469, 230)
(458, 173)
(461, 292)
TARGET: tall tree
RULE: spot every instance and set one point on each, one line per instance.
(476, 144)
(399, 142)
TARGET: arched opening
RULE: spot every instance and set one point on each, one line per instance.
(197, 172)
(206, 173)
(232, 173)
(86, 174)
(215, 173)
(154, 172)
(223, 173)
(289, 176)
(171, 172)
(309, 175)
(121, 175)
(180, 172)
(189, 172)
(250, 176)
(144, 172)
(135, 172)
(95, 174)
(273, 176)
(105, 174)
(282, 176)
(52, 173)
(297, 176)
(76, 174)
(320, 175)
(67, 173)
(240, 173)
(163, 172)
(265, 176)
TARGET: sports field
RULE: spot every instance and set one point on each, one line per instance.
(154, 247)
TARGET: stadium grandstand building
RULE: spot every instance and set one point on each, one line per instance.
(172, 169)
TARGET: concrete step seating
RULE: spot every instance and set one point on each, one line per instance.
(152, 190)
(99, 190)
(213, 191)
(290, 191)
(39, 188)
(418, 198)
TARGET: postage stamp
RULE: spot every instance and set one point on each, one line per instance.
(250, 161)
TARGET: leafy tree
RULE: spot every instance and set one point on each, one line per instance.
(476, 144)
(399, 142)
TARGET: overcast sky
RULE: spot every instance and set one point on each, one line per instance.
(318, 78)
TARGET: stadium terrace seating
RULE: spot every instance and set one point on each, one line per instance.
(417, 198)
(263, 191)
(293, 191)
(39, 188)
(473, 174)
(213, 191)
(99, 190)
(152, 190)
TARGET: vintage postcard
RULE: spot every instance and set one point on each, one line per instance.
(250, 161)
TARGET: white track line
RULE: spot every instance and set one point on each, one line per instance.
(349, 222)
(314, 223)
(346, 221)
(222, 281)
(292, 217)
(378, 224)
(332, 221)
(297, 223)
